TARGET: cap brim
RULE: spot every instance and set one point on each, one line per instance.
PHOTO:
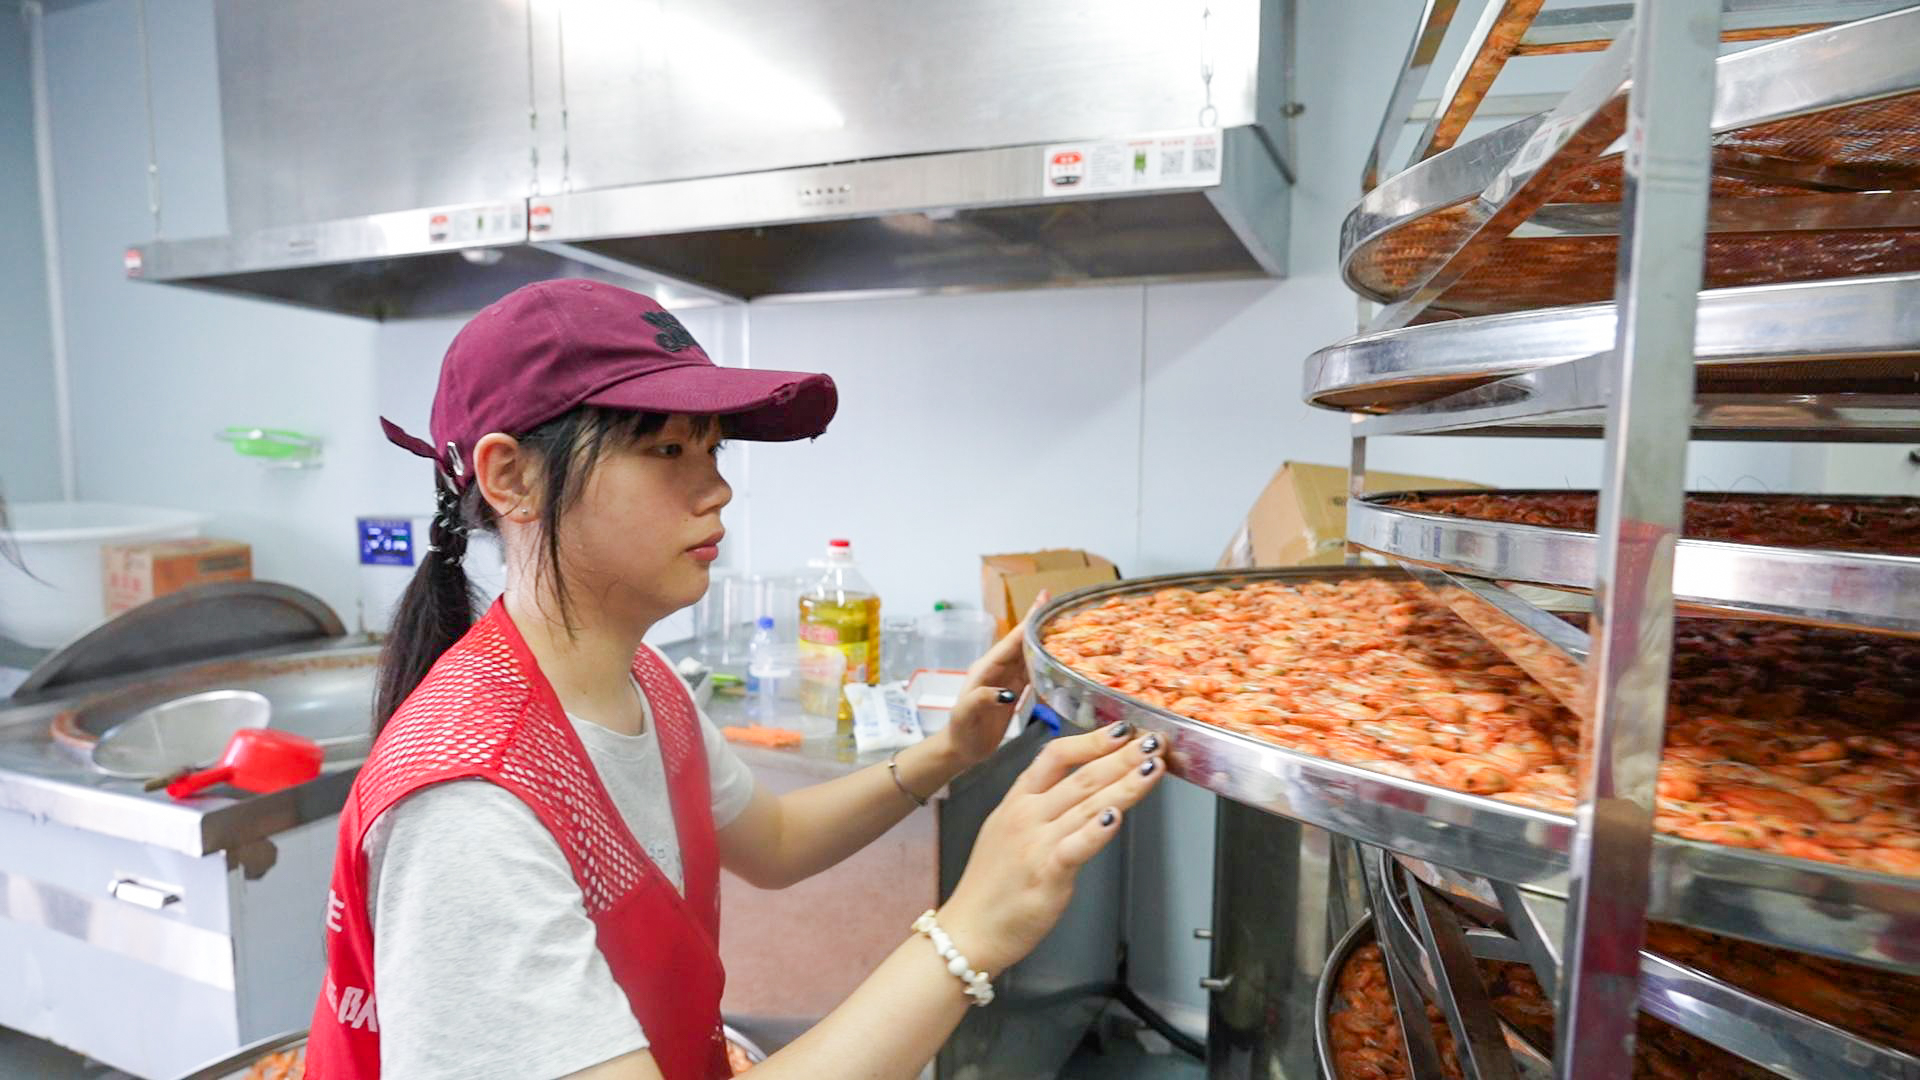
(762, 406)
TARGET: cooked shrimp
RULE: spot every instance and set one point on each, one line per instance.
(1834, 804)
(1769, 801)
(1478, 776)
(1823, 751)
(1791, 739)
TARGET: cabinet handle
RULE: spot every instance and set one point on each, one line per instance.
(1214, 984)
(141, 894)
(1202, 933)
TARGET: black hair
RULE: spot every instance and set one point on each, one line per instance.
(440, 604)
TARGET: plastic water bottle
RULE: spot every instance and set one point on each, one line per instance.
(760, 660)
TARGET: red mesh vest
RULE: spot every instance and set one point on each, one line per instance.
(485, 712)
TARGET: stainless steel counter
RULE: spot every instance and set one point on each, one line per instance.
(153, 934)
(53, 782)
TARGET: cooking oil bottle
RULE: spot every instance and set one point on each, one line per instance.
(839, 613)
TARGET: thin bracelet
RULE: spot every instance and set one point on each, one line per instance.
(979, 985)
(893, 767)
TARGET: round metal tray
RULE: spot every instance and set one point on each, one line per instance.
(1797, 904)
(1786, 1041)
(1813, 179)
(1528, 1060)
(1357, 935)
(1855, 590)
(1854, 336)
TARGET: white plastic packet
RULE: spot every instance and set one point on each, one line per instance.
(883, 716)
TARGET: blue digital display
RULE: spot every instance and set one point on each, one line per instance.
(386, 542)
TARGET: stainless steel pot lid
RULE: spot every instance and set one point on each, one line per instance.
(186, 732)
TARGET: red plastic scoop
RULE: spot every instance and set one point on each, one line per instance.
(258, 760)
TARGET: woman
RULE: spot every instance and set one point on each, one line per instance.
(527, 878)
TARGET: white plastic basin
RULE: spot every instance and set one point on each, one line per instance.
(60, 544)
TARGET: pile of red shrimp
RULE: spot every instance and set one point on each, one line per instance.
(1787, 739)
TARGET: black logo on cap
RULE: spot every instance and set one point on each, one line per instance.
(672, 336)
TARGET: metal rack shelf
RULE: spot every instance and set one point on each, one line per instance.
(1775, 179)
(1529, 1062)
(1794, 903)
(1764, 1032)
(1854, 590)
(1853, 336)
(1510, 29)
(1812, 179)
(1556, 404)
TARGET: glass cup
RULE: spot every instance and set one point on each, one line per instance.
(899, 647)
(777, 597)
(710, 619)
(952, 640)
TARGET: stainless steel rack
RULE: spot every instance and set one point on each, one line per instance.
(1850, 336)
(1822, 588)
(1779, 176)
(1512, 29)
(1500, 922)
(1810, 177)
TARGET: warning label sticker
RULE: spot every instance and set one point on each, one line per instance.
(1141, 163)
(477, 224)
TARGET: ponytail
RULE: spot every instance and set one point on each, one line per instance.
(438, 607)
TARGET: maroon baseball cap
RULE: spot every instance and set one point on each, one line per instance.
(547, 348)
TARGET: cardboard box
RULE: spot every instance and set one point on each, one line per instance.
(1009, 583)
(1301, 517)
(136, 573)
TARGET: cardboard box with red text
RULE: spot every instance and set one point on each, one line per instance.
(136, 573)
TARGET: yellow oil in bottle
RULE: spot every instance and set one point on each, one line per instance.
(850, 624)
(838, 614)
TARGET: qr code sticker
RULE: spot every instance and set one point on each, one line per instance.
(1173, 162)
(1206, 158)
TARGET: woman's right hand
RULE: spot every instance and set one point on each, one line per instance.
(1061, 812)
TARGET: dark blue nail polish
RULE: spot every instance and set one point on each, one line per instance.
(1149, 744)
(1108, 817)
(1006, 697)
(1147, 767)
(1120, 729)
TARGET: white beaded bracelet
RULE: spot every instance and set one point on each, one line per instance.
(978, 983)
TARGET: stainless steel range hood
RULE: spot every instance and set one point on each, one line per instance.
(395, 265)
(969, 220)
(981, 144)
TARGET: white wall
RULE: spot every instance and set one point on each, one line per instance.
(157, 371)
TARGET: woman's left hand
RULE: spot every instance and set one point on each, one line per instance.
(983, 709)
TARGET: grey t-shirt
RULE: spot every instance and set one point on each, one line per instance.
(483, 952)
